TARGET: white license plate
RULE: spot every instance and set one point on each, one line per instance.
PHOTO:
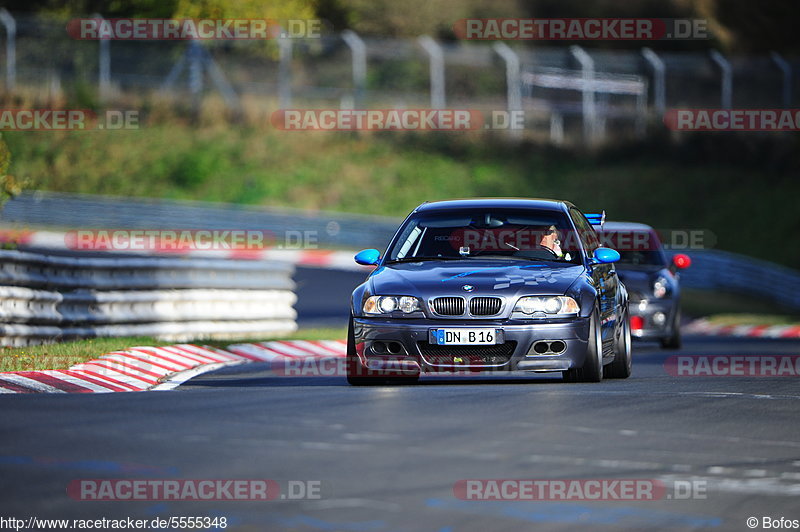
(466, 336)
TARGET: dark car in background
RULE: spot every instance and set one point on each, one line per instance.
(652, 281)
(490, 285)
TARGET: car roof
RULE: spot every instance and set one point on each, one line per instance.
(625, 226)
(497, 203)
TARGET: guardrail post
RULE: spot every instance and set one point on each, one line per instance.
(659, 80)
(11, 48)
(436, 57)
(590, 123)
(727, 78)
(285, 71)
(786, 69)
(513, 80)
(104, 63)
(359, 52)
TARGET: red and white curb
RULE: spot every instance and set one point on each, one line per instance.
(310, 258)
(159, 368)
(705, 328)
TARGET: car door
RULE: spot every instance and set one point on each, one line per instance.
(604, 276)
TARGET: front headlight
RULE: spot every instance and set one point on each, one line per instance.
(378, 305)
(661, 287)
(548, 305)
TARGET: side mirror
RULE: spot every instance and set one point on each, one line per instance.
(681, 261)
(605, 256)
(368, 257)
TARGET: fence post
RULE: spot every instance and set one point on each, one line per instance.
(641, 112)
(786, 68)
(104, 63)
(659, 80)
(11, 48)
(436, 58)
(590, 125)
(727, 78)
(195, 75)
(221, 82)
(359, 52)
(285, 71)
(556, 128)
(513, 80)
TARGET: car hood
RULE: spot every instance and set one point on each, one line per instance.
(431, 279)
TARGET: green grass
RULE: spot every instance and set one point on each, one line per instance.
(66, 354)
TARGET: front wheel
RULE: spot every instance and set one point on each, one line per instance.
(620, 368)
(356, 373)
(592, 369)
(674, 340)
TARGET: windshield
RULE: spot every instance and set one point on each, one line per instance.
(636, 247)
(491, 233)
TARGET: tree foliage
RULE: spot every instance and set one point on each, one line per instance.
(272, 9)
(737, 25)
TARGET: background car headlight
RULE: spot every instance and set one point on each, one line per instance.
(661, 287)
(551, 305)
(377, 305)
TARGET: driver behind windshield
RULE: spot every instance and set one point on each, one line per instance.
(551, 240)
(520, 235)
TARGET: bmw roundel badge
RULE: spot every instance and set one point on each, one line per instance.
(468, 288)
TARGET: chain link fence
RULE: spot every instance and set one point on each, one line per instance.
(568, 93)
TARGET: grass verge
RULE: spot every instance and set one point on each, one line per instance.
(66, 354)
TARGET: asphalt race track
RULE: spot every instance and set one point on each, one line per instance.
(388, 457)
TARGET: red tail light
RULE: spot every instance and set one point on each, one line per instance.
(681, 261)
(637, 323)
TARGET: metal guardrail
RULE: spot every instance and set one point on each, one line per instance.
(45, 298)
(721, 271)
(329, 229)
(19, 268)
(711, 270)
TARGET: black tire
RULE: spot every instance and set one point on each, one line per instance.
(592, 369)
(356, 374)
(674, 340)
(620, 368)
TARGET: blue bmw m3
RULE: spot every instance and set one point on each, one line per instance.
(490, 285)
